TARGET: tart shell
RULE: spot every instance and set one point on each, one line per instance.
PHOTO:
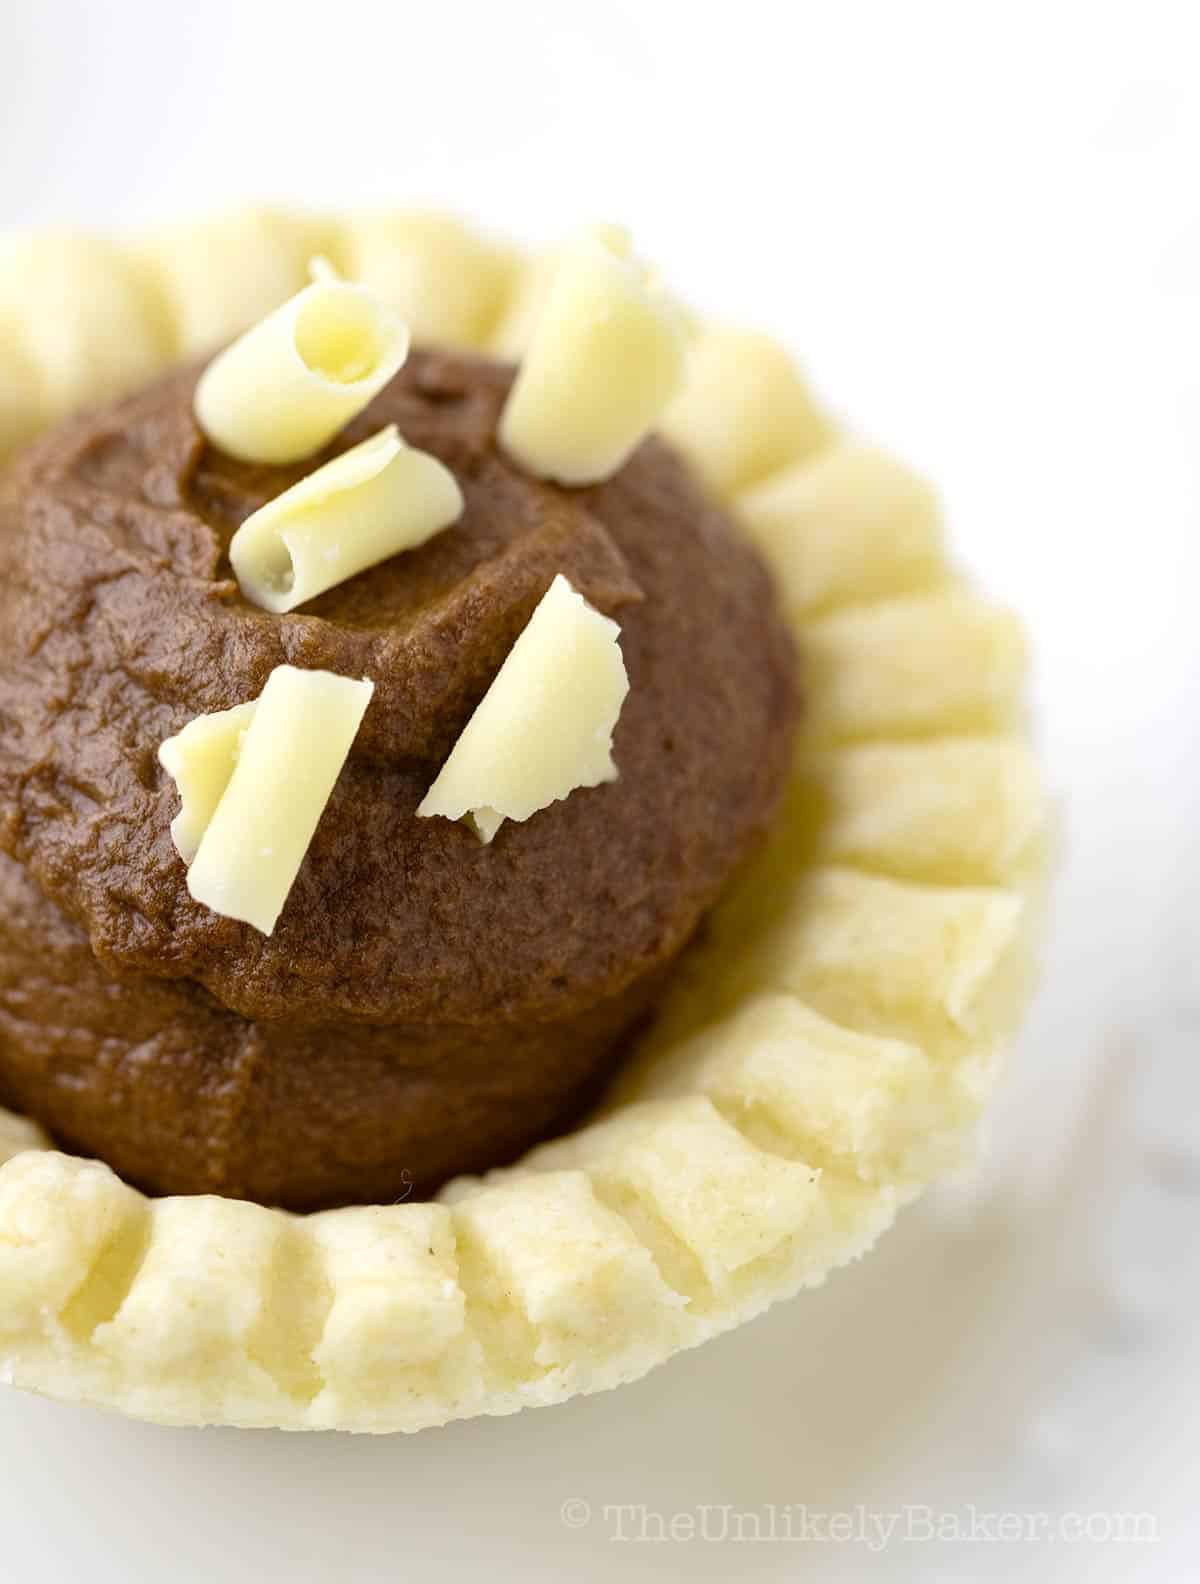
(822, 1054)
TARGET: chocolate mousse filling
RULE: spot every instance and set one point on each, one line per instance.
(427, 1005)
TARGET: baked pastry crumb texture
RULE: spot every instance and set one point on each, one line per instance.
(821, 1055)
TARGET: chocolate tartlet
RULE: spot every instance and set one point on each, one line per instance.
(816, 1058)
(427, 1005)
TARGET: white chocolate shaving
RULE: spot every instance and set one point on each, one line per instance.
(545, 725)
(285, 388)
(371, 502)
(201, 760)
(511, 337)
(605, 359)
(292, 753)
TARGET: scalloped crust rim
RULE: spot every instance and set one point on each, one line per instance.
(820, 1058)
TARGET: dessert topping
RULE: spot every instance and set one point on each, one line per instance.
(288, 749)
(379, 498)
(201, 760)
(545, 726)
(605, 358)
(284, 389)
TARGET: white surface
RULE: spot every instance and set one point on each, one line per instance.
(981, 224)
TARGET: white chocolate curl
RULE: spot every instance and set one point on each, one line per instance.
(370, 503)
(201, 760)
(285, 388)
(293, 751)
(511, 336)
(545, 726)
(605, 358)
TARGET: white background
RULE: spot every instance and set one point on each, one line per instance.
(980, 224)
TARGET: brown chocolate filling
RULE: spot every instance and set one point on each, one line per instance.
(426, 1005)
